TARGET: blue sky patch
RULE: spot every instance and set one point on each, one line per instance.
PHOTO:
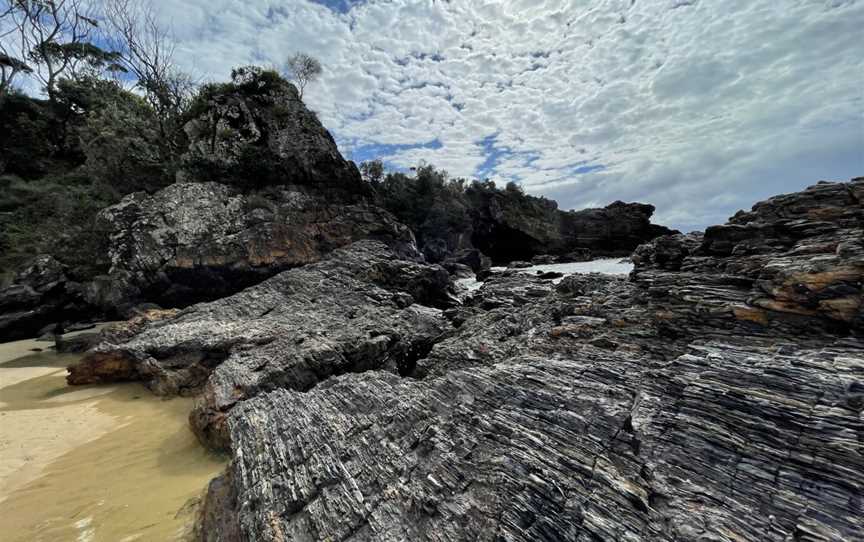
(339, 6)
(373, 151)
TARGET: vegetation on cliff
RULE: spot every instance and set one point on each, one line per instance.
(101, 135)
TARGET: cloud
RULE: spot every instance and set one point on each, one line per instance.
(698, 107)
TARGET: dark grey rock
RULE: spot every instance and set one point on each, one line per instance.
(795, 260)
(355, 311)
(596, 446)
(200, 241)
(594, 409)
(41, 296)
(471, 257)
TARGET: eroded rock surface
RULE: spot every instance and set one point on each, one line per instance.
(509, 229)
(41, 294)
(200, 241)
(794, 261)
(355, 311)
(588, 408)
(256, 131)
(595, 445)
(717, 394)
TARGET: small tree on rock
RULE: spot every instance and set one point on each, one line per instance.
(302, 68)
(372, 171)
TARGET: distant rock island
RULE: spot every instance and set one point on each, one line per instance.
(362, 393)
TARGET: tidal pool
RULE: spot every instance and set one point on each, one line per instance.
(94, 463)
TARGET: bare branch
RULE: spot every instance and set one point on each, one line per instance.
(132, 27)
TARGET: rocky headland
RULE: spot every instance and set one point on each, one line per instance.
(362, 392)
(716, 394)
(262, 188)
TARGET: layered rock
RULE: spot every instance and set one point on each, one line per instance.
(677, 405)
(542, 417)
(795, 260)
(594, 446)
(199, 241)
(357, 310)
(588, 408)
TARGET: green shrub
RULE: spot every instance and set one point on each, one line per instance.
(55, 215)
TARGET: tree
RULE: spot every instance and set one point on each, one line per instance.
(372, 171)
(122, 143)
(10, 67)
(302, 69)
(55, 36)
(147, 52)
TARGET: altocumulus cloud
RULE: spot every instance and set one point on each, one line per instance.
(700, 107)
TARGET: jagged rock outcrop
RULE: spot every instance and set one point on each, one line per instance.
(508, 228)
(41, 294)
(542, 407)
(359, 309)
(470, 257)
(575, 409)
(272, 193)
(543, 418)
(795, 260)
(264, 189)
(198, 241)
(256, 131)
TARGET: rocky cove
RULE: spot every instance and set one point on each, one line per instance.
(359, 391)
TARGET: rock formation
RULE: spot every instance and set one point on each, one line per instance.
(40, 295)
(595, 445)
(360, 309)
(264, 189)
(256, 131)
(507, 228)
(716, 395)
(794, 261)
(199, 241)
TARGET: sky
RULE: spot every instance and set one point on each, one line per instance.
(700, 107)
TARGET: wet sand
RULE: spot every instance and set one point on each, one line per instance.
(94, 463)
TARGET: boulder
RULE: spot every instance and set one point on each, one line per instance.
(511, 228)
(256, 132)
(577, 255)
(667, 252)
(544, 259)
(473, 258)
(41, 296)
(199, 241)
(435, 250)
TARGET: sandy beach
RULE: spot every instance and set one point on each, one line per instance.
(33, 431)
(96, 463)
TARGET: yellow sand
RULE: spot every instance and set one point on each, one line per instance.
(92, 463)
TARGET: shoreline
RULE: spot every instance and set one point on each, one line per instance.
(97, 463)
(37, 424)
